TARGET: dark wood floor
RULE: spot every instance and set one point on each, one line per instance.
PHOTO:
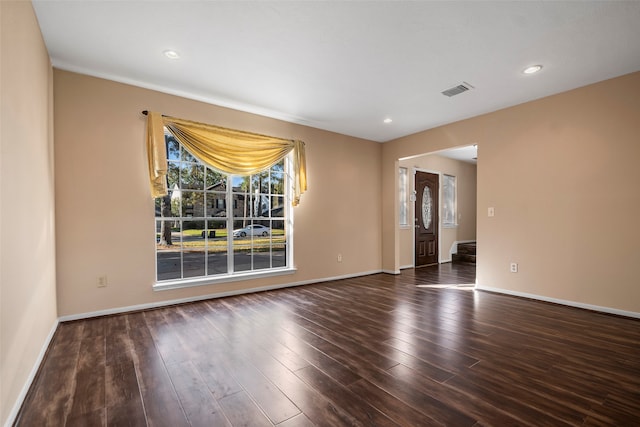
(378, 350)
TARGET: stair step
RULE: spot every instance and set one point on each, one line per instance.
(466, 252)
(463, 258)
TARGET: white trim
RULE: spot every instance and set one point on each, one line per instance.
(150, 305)
(591, 307)
(32, 375)
(404, 267)
(223, 278)
(391, 271)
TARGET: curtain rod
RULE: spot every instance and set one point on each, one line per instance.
(144, 112)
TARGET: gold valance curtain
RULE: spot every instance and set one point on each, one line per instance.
(227, 150)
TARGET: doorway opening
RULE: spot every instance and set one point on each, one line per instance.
(426, 218)
(448, 207)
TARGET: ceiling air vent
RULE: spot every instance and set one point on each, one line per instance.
(456, 90)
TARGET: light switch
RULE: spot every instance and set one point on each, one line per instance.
(491, 211)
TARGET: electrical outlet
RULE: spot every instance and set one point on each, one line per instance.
(339, 257)
(102, 281)
(491, 212)
(514, 267)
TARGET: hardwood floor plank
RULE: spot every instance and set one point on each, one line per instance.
(126, 414)
(297, 421)
(516, 403)
(342, 397)
(94, 418)
(199, 405)
(315, 406)
(89, 393)
(122, 394)
(118, 346)
(51, 398)
(416, 349)
(275, 404)
(470, 404)
(161, 403)
(242, 411)
(395, 409)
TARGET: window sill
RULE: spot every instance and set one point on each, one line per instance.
(405, 227)
(449, 225)
(223, 278)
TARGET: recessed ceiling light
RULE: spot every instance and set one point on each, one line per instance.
(171, 54)
(387, 120)
(533, 69)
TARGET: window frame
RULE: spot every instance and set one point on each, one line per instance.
(230, 204)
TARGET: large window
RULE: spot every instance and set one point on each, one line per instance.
(215, 226)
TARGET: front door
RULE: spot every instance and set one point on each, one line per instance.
(426, 220)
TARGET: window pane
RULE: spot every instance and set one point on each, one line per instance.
(173, 175)
(279, 255)
(242, 251)
(192, 176)
(261, 206)
(173, 147)
(216, 242)
(193, 249)
(278, 244)
(168, 251)
(216, 205)
(278, 167)
(402, 194)
(185, 156)
(449, 200)
(277, 207)
(262, 245)
(277, 183)
(260, 183)
(215, 181)
(240, 184)
(192, 204)
(175, 202)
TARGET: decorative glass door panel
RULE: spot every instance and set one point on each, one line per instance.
(427, 208)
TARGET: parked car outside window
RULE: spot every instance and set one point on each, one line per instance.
(252, 230)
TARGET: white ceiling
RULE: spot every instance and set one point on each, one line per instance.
(344, 66)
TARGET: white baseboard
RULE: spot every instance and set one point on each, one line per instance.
(591, 307)
(391, 271)
(32, 375)
(151, 305)
(404, 267)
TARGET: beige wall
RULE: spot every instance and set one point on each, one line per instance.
(562, 173)
(105, 215)
(465, 174)
(27, 257)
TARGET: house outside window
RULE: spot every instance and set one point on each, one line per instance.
(214, 225)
